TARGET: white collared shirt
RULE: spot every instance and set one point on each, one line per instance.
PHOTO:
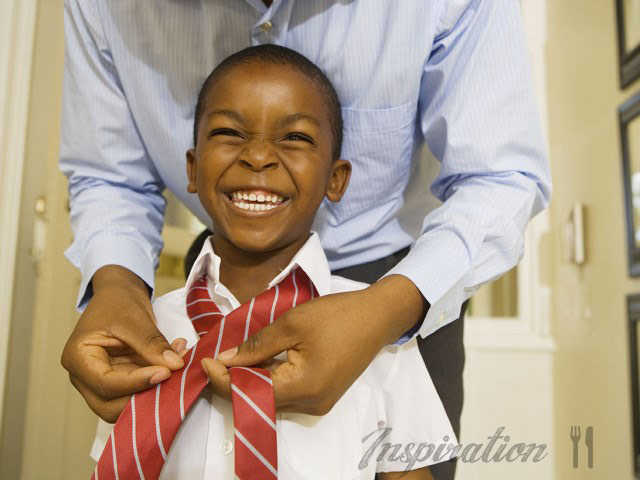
(395, 391)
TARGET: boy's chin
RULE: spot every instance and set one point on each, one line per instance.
(252, 242)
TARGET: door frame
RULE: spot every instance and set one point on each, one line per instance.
(17, 21)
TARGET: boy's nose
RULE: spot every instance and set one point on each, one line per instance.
(258, 156)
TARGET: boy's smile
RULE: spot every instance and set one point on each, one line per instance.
(263, 160)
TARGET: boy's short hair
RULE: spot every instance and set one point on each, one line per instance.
(277, 55)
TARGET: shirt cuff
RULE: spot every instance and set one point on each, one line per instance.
(437, 264)
(109, 250)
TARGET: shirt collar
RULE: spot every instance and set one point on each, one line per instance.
(310, 258)
(261, 7)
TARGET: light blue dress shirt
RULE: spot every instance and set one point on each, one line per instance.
(452, 72)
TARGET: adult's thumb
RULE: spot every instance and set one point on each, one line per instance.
(260, 347)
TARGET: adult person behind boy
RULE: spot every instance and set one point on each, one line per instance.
(268, 124)
(453, 73)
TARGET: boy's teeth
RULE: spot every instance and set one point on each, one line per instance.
(254, 206)
(256, 197)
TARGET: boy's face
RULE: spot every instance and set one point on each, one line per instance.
(263, 164)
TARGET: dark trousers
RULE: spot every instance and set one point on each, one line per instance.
(442, 351)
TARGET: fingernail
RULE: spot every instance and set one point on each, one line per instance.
(159, 376)
(227, 354)
(179, 345)
(172, 357)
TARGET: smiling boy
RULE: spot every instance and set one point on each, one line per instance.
(267, 139)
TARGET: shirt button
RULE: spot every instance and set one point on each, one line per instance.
(226, 447)
(266, 26)
(441, 318)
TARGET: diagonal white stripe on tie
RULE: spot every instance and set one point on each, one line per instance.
(255, 407)
(205, 315)
(257, 374)
(184, 377)
(133, 434)
(295, 284)
(113, 452)
(215, 354)
(273, 307)
(197, 288)
(160, 444)
(248, 321)
(256, 453)
(200, 300)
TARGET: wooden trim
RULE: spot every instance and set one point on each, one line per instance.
(628, 60)
(633, 318)
(629, 112)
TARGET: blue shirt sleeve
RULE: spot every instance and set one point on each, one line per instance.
(478, 115)
(115, 191)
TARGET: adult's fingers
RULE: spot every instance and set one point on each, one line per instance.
(128, 356)
(96, 371)
(108, 410)
(219, 377)
(286, 379)
(147, 341)
(179, 345)
(260, 347)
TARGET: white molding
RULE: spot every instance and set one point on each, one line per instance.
(16, 56)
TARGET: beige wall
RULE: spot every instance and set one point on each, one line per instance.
(47, 426)
(591, 366)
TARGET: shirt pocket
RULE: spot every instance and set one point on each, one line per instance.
(379, 144)
(329, 446)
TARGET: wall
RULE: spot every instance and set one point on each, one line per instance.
(47, 426)
(591, 366)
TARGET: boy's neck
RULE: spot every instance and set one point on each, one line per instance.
(247, 274)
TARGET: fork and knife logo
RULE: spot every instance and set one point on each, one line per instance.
(588, 440)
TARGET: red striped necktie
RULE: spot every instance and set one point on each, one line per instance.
(142, 436)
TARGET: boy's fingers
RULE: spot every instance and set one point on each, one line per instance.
(219, 377)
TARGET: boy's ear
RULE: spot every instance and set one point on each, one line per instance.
(339, 179)
(191, 170)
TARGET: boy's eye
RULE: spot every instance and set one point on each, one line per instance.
(297, 136)
(228, 132)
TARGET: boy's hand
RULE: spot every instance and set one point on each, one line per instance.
(115, 349)
(329, 342)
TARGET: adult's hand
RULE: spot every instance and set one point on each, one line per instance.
(115, 349)
(329, 342)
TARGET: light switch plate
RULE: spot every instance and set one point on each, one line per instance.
(574, 248)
